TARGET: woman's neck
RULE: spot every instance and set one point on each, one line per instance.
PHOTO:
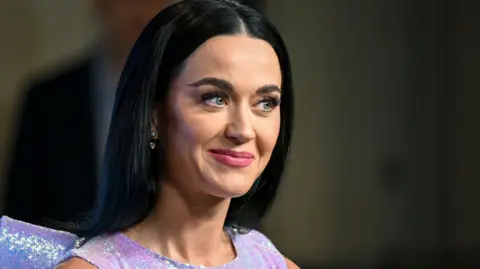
(188, 228)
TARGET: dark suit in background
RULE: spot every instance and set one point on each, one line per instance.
(53, 170)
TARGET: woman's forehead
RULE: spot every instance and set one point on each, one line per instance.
(233, 58)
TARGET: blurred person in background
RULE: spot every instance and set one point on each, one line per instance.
(64, 123)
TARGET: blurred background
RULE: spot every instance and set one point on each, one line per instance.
(384, 170)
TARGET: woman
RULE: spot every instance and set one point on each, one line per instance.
(197, 145)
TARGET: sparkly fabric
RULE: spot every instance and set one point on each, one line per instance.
(23, 246)
(254, 250)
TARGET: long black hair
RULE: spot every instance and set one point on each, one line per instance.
(128, 186)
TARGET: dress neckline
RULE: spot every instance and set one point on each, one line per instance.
(231, 264)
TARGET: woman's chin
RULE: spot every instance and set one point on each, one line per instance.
(229, 193)
(230, 190)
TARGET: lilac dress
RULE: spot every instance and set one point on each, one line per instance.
(24, 245)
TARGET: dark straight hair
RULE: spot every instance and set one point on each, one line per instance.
(128, 186)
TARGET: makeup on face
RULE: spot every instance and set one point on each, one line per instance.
(232, 158)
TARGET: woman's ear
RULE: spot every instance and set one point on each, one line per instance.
(159, 120)
(155, 119)
(154, 127)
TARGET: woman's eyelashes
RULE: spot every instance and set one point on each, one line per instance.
(215, 99)
(221, 99)
(268, 103)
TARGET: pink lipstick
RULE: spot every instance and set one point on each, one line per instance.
(232, 158)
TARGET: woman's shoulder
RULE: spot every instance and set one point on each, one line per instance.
(23, 245)
(257, 242)
(96, 252)
(257, 239)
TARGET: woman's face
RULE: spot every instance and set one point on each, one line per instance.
(223, 116)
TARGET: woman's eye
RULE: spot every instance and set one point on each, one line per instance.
(215, 99)
(268, 104)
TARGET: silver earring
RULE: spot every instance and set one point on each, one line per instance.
(153, 143)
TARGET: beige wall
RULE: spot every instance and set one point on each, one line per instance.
(18, 26)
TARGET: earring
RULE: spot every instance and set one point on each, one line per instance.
(153, 142)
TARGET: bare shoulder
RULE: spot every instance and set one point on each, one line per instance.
(76, 263)
(290, 264)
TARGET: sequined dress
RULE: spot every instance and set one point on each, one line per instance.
(24, 245)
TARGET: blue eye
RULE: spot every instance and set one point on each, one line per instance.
(267, 106)
(268, 103)
(215, 99)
